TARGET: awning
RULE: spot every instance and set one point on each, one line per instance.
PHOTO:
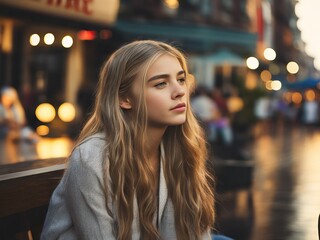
(225, 57)
(97, 11)
(196, 36)
(304, 84)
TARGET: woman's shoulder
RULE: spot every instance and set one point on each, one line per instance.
(94, 141)
(90, 152)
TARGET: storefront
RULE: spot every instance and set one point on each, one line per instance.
(50, 49)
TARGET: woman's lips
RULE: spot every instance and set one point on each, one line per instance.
(179, 107)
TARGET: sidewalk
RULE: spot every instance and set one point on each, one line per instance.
(283, 200)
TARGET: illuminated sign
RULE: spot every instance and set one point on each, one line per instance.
(100, 11)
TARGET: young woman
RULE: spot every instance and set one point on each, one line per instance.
(138, 170)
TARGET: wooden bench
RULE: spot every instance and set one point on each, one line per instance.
(28, 175)
(24, 200)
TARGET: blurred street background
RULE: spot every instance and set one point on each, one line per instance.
(257, 66)
(276, 194)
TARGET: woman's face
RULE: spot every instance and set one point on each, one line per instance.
(166, 92)
(6, 100)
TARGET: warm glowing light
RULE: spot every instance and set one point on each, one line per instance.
(34, 40)
(172, 4)
(311, 50)
(296, 98)
(252, 63)
(276, 85)
(67, 112)
(307, 12)
(45, 112)
(48, 39)
(86, 35)
(42, 130)
(269, 85)
(292, 67)
(265, 75)
(52, 148)
(269, 54)
(310, 95)
(298, 10)
(251, 81)
(316, 63)
(288, 97)
(235, 104)
(67, 41)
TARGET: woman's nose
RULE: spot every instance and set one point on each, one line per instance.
(179, 91)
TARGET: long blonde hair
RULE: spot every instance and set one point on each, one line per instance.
(126, 163)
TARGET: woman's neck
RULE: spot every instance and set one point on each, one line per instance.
(154, 139)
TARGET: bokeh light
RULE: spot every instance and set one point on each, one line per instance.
(252, 63)
(48, 39)
(292, 67)
(42, 130)
(276, 85)
(269, 54)
(265, 75)
(34, 40)
(235, 104)
(310, 95)
(316, 63)
(251, 81)
(172, 4)
(297, 98)
(67, 41)
(66, 112)
(45, 112)
(307, 12)
(269, 85)
(288, 97)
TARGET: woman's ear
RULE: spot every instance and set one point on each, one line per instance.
(125, 103)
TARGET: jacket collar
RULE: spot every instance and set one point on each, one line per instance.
(163, 189)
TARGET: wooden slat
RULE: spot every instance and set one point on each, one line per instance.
(25, 193)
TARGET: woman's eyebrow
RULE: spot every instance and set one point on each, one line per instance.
(160, 76)
(181, 72)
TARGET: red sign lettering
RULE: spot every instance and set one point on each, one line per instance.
(76, 5)
(85, 8)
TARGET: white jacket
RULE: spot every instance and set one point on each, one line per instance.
(77, 207)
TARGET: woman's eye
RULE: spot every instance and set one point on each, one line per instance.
(181, 80)
(161, 84)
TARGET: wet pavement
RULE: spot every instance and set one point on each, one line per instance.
(282, 201)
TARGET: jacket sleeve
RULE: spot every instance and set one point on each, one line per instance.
(85, 198)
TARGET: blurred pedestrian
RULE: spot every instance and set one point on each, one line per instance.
(138, 168)
(203, 107)
(221, 102)
(209, 114)
(263, 112)
(222, 122)
(13, 122)
(310, 110)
